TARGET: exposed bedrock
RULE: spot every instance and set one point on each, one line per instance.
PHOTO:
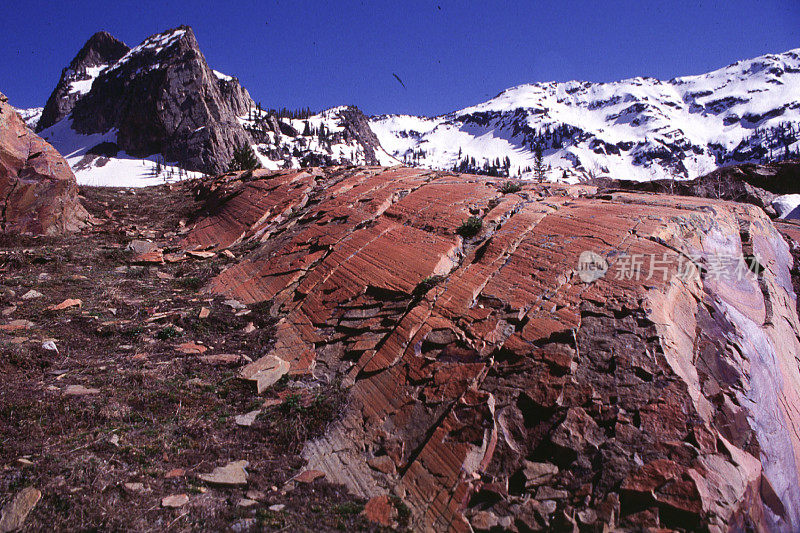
(490, 385)
(38, 192)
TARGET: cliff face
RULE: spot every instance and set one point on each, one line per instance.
(38, 193)
(164, 99)
(576, 358)
(100, 51)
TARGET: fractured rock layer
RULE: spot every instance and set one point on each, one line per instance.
(490, 386)
(38, 192)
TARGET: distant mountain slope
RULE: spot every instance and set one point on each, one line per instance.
(640, 128)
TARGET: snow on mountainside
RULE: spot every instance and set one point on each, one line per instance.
(31, 116)
(639, 128)
(96, 160)
(137, 116)
(336, 136)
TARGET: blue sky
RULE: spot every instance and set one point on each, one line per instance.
(449, 54)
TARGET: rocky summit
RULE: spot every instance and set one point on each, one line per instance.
(525, 358)
(162, 98)
(38, 192)
(159, 113)
(100, 51)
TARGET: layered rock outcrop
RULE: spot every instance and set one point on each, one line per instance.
(38, 193)
(748, 183)
(550, 358)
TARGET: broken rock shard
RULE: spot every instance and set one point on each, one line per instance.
(490, 384)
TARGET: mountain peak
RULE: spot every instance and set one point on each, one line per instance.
(101, 50)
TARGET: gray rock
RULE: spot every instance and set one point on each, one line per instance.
(231, 474)
(164, 99)
(32, 294)
(16, 511)
(100, 49)
(141, 247)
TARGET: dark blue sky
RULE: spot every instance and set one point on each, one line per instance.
(450, 55)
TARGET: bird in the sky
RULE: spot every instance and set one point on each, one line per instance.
(398, 79)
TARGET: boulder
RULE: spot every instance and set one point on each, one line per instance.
(38, 192)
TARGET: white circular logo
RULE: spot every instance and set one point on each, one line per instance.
(591, 266)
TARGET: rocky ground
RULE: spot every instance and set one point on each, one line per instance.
(120, 391)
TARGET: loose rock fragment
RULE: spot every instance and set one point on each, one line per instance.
(175, 500)
(50, 346)
(247, 419)
(32, 294)
(66, 304)
(231, 474)
(191, 348)
(308, 476)
(17, 510)
(265, 372)
(80, 390)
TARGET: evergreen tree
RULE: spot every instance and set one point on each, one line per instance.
(244, 158)
(538, 163)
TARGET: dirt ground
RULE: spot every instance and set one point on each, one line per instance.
(154, 417)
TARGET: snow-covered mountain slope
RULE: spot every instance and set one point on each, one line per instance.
(119, 113)
(337, 136)
(96, 160)
(640, 128)
(31, 116)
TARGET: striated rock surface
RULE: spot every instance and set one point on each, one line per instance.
(38, 193)
(100, 51)
(510, 380)
(162, 98)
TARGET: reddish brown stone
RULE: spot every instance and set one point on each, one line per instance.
(308, 476)
(38, 191)
(191, 348)
(379, 510)
(464, 358)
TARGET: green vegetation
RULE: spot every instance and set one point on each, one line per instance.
(470, 227)
(510, 187)
(427, 284)
(244, 158)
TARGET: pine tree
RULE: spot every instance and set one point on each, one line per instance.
(538, 163)
(244, 158)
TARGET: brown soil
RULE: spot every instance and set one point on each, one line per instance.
(157, 409)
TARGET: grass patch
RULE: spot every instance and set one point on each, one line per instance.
(191, 282)
(427, 284)
(470, 227)
(299, 423)
(510, 187)
(167, 333)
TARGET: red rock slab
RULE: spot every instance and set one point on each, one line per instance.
(379, 510)
(467, 357)
(191, 348)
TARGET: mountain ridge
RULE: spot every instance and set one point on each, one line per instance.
(637, 128)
